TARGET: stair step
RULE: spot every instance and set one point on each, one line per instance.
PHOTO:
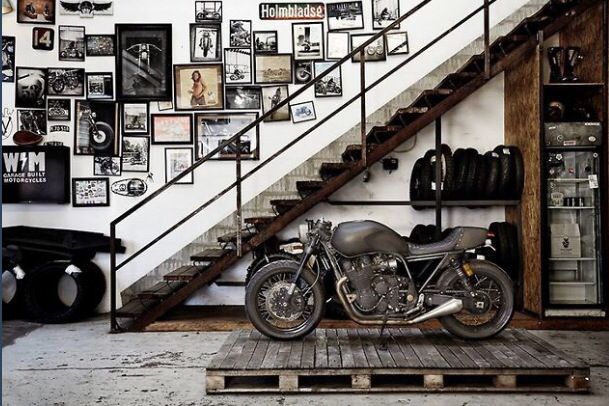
(474, 64)
(161, 290)
(259, 222)
(353, 153)
(282, 206)
(232, 237)
(209, 255)
(505, 44)
(184, 273)
(380, 134)
(135, 307)
(224, 282)
(458, 79)
(431, 97)
(308, 187)
(329, 170)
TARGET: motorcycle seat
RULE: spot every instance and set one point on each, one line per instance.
(460, 238)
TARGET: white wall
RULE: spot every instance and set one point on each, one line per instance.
(214, 176)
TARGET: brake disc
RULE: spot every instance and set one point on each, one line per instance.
(277, 302)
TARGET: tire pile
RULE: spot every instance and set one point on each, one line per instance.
(469, 175)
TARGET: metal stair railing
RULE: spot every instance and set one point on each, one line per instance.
(236, 139)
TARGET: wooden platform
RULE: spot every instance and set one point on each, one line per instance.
(355, 360)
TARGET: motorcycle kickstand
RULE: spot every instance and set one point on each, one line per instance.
(383, 340)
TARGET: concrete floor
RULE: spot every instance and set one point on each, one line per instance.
(81, 364)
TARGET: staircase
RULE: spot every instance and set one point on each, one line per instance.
(203, 261)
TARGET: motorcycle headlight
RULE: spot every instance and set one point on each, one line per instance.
(303, 232)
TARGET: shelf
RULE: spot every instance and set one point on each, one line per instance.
(572, 148)
(572, 259)
(567, 180)
(571, 283)
(574, 84)
(571, 207)
(429, 203)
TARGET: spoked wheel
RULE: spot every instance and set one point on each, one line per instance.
(493, 303)
(269, 309)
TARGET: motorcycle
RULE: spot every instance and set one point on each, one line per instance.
(71, 53)
(237, 75)
(372, 268)
(101, 134)
(59, 80)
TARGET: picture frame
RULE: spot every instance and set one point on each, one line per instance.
(199, 87)
(397, 43)
(330, 85)
(65, 82)
(171, 129)
(338, 45)
(273, 69)
(90, 192)
(100, 45)
(302, 112)
(8, 59)
(30, 87)
(246, 97)
(240, 33)
(308, 41)
(177, 160)
(237, 65)
(211, 129)
(106, 166)
(100, 86)
(95, 128)
(374, 52)
(39, 12)
(143, 62)
(88, 9)
(136, 154)
(208, 11)
(266, 42)
(164, 105)
(345, 15)
(385, 12)
(71, 46)
(205, 42)
(32, 120)
(59, 109)
(271, 97)
(135, 118)
(303, 72)
(43, 38)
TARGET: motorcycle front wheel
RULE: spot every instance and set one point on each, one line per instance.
(58, 86)
(494, 288)
(268, 308)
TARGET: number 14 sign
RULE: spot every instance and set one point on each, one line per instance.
(43, 38)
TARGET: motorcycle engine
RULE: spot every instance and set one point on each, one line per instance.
(377, 286)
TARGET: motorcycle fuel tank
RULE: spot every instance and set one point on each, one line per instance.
(355, 238)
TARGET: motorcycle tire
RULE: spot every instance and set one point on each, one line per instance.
(448, 168)
(251, 299)
(12, 294)
(259, 263)
(418, 233)
(105, 139)
(481, 177)
(493, 167)
(500, 321)
(505, 174)
(518, 170)
(58, 86)
(472, 174)
(415, 180)
(500, 242)
(461, 169)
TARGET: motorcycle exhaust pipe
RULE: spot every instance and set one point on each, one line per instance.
(447, 308)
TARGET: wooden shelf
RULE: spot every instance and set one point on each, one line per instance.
(574, 84)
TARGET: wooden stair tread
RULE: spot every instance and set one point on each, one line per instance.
(210, 254)
(329, 170)
(308, 187)
(259, 220)
(232, 236)
(352, 153)
(160, 290)
(135, 307)
(229, 282)
(184, 273)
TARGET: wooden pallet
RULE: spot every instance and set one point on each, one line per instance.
(355, 360)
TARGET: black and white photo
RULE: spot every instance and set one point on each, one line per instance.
(273, 69)
(385, 12)
(265, 42)
(171, 129)
(308, 41)
(66, 82)
(177, 160)
(237, 65)
(346, 15)
(332, 83)
(34, 121)
(86, 8)
(135, 118)
(36, 11)
(302, 112)
(90, 192)
(243, 97)
(30, 91)
(106, 166)
(199, 87)
(136, 154)
(303, 72)
(337, 45)
(95, 125)
(212, 130)
(100, 85)
(397, 43)
(71, 43)
(375, 51)
(143, 62)
(164, 105)
(205, 42)
(8, 59)
(59, 109)
(208, 11)
(100, 45)
(240, 33)
(271, 97)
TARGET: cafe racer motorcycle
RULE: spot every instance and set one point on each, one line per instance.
(382, 280)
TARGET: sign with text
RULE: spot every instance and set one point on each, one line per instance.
(292, 11)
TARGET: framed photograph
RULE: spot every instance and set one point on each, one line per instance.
(172, 129)
(237, 65)
(164, 105)
(338, 45)
(397, 43)
(43, 38)
(303, 72)
(136, 154)
(346, 15)
(205, 43)
(8, 59)
(273, 69)
(59, 109)
(331, 84)
(31, 89)
(90, 192)
(302, 112)
(95, 128)
(66, 82)
(243, 97)
(240, 33)
(106, 166)
(265, 42)
(208, 11)
(100, 45)
(143, 62)
(177, 160)
(71, 43)
(36, 11)
(385, 12)
(199, 87)
(86, 8)
(271, 97)
(375, 51)
(135, 118)
(308, 41)
(34, 121)
(100, 85)
(212, 130)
